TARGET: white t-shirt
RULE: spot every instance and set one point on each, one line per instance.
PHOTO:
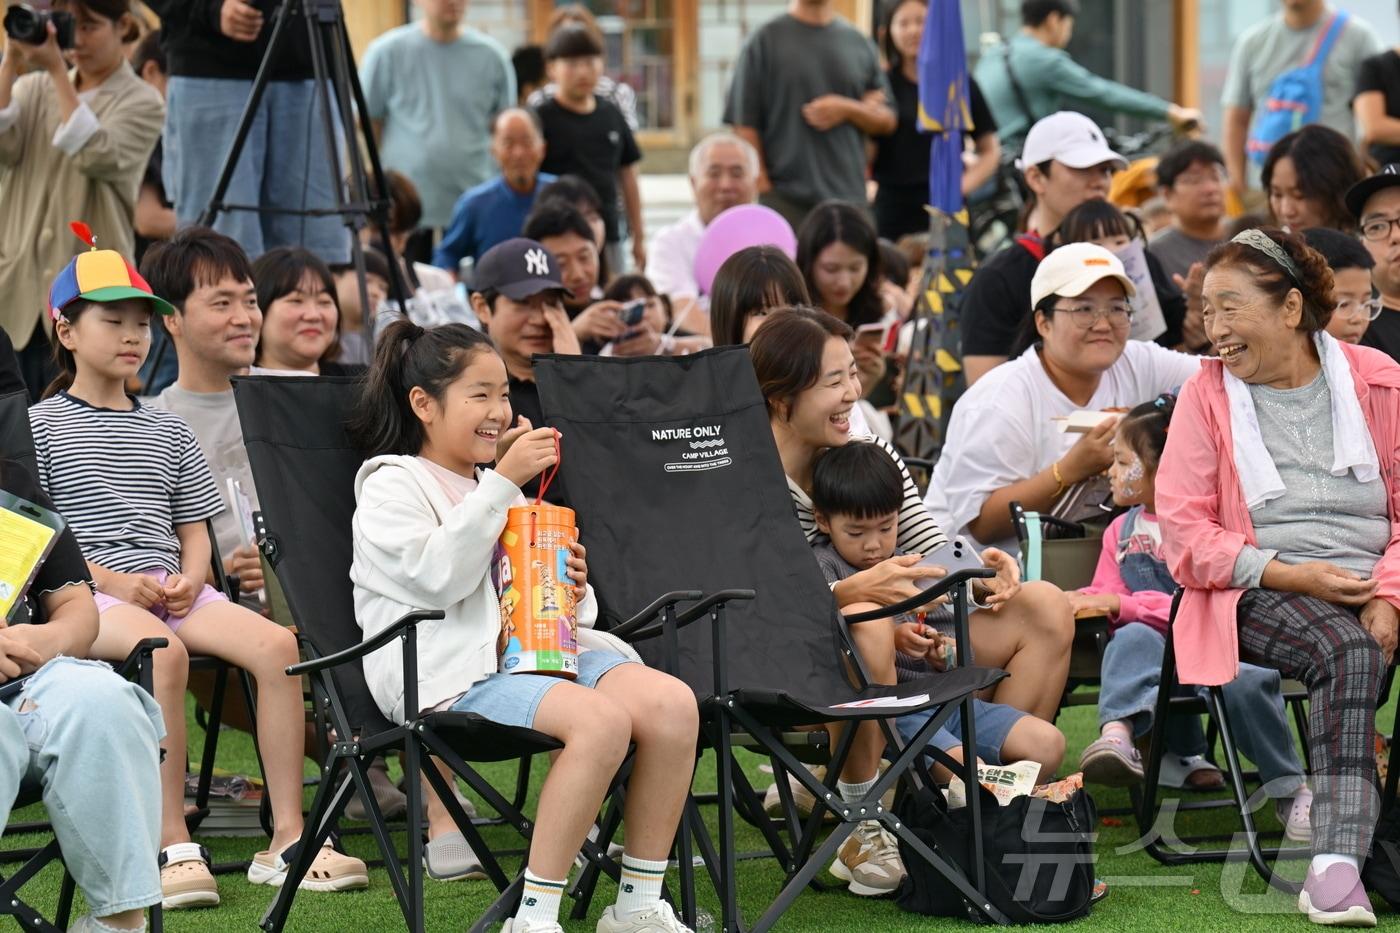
(671, 257)
(1001, 431)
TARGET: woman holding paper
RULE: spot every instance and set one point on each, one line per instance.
(1004, 443)
(1277, 500)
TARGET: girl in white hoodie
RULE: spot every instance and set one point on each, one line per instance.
(427, 521)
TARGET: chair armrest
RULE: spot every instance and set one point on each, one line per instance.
(626, 630)
(355, 652)
(143, 649)
(714, 599)
(922, 597)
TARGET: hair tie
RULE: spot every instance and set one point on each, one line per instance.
(1268, 246)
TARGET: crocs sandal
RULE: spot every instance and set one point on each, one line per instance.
(330, 871)
(449, 857)
(185, 879)
(1111, 761)
(1190, 773)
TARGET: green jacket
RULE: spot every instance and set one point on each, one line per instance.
(1052, 81)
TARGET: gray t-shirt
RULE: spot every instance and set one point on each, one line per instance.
(1177, 251)
(1320, 516)
(785, 64)
(214, 419)
(1268, 49)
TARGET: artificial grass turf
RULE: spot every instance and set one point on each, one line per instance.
(1143, 894)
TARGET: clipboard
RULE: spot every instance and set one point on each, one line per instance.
(28, 533)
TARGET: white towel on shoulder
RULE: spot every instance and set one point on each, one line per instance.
(1352, 447)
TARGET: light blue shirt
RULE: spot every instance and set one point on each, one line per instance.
(436, 101)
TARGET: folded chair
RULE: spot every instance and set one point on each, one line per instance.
(304, 466)
(676, 482)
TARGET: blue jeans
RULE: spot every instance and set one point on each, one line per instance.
(1131, 672)
(284, 163)
(91, 740)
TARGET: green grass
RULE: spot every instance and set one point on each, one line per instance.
(1143, 894)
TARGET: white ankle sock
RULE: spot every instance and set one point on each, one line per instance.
(640, 886)
(1321, 863)
(539, 902)
(853, 792)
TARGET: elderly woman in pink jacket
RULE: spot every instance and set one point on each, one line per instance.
(1277, 496)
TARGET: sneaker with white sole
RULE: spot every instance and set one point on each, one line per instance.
(869, 861)
(185, 879)
(1296, 815)
(330, 870)
(449, 857)
(1336, 898)
(516, 925)
(658, 919)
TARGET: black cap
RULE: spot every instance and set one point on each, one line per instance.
(518, 269)
(1359, 193)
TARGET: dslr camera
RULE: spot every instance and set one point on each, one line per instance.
(25, 24)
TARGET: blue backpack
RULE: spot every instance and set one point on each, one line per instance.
(1295, 97)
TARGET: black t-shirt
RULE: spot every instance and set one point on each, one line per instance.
(592, 146)
(10, 378)
(65, 565)
(1384, 334)
(152, 179)
(1382, 73)
(525, 400)
(901, 159)
(195, 47)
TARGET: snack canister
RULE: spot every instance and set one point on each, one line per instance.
(538, 618)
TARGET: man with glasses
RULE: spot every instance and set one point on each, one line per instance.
(1375, 202)
(1351, 265)
(1191, 180)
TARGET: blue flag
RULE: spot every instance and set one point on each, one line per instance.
(943, 96)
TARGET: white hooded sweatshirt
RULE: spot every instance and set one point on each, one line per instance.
(414, 549)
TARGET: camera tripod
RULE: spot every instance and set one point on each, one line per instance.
(358, 202)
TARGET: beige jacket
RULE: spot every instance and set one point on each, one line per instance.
(42, 188)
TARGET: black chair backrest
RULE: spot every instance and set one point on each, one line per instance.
(304, 467)
(16, 440)
(676, 482)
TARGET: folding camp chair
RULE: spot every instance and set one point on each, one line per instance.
(305, 467)
(676, 481)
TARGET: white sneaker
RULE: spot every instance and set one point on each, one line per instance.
(516, 925)
(869, 861)
(1296, 815)
(658, 919)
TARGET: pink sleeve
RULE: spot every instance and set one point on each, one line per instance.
(1107, 578)
(1387, 571)
(1199, 552)
(1148, 606)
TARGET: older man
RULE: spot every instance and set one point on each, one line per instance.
(495, 210)
(723, 173)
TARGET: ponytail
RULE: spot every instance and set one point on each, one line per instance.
(1144, 429)
(407, 355)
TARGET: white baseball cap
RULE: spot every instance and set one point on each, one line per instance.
(1073, 268)
(1069, 138)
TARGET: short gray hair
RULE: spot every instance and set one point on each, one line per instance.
(723, 137)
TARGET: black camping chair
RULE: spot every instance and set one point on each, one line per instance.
(676, 481)
(305, 467)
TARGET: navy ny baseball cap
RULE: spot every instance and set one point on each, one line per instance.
(518, 269)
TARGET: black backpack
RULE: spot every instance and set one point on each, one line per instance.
(1038, 856)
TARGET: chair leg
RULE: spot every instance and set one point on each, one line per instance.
(65, 900)
(732, 920)
(213, 722)
(522, 783)
(582, 890)
(412, 769)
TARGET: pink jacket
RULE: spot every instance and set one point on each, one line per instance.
(1204, 520)
(1150, 607)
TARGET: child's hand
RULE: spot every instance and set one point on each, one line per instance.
(578, 569)
(531, 454)
(511, 435)
(179, 593)
(1006, 584)
(1085, 603)
(138, 589)
(944, 652)
(915, 639)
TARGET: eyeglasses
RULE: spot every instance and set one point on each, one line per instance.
(1085, 314)
(1370, 308)
(1379, 228)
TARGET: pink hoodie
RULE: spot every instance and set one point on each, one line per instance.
(1204, 520)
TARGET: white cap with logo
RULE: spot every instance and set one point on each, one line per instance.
(1072, 269)
(1069, 138)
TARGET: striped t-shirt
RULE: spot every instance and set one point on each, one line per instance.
(122, 480)
(918, 533)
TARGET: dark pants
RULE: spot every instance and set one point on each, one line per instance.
(36, 365)
(1324, 646)
(793, 211)
(900, 211)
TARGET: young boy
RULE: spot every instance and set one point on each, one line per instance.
(857, 492)
(355, 345)
(1351, 262)
(587, 136)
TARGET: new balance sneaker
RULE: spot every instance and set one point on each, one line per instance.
(1336, 898)
(658, 919)
(869, 861)
(516, 925)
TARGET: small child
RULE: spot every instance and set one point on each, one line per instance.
(136, 491)
(1351, 262)
(857, 492)
(427, 525)
(355, 343)
(588, 136)
(1133, 587)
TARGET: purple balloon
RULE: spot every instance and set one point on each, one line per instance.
(739, 228)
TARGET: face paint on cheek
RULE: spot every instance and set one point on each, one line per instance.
(1130, 476)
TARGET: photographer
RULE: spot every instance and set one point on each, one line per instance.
(73, 144)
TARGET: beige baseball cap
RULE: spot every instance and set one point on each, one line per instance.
(1073, 268)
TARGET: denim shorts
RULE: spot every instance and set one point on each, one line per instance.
(511, 699)
(993, 720)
